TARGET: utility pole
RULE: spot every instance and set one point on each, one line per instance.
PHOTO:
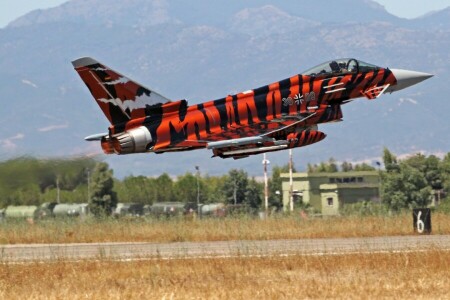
(198, 190)
(198, 185)
(266, 185)
(57, 190)
(89, 185)
(235, 192)
(379, 180)
(291, 183)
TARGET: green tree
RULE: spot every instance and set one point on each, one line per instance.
(404, 185)
(29, 194)
(235, 186)
(324, 167)
(363, 167)
(346, 167)
(416, 187)
(212, 188)
(433, 173)
(77, 195)
(185, 188)
(103, 198)
(429, 167)
(254, 194)
(392, 189)
(164, 188)
(390, 161)
(30, 180)
(275, 184)
(310, 168)
(332, 166)
(135, 189)
(445, 173)
(417, 161)
(71, 173)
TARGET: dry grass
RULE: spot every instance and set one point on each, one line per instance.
(213, 229)
(422, 275)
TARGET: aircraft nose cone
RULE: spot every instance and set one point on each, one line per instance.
(406, 78)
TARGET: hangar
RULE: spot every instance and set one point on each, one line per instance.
(328, 193)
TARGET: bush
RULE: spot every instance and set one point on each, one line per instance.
(364, 208)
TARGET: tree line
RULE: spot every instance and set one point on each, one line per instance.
(236, 187)
(30, 181)
(405, 183)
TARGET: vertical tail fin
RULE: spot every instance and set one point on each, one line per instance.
(120, 98)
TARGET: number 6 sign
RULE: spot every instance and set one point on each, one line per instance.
(422, 220)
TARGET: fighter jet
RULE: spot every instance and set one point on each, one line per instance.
(282, 115)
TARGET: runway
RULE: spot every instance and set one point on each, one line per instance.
(191, 250)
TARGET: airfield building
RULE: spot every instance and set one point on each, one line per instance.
(328, 193)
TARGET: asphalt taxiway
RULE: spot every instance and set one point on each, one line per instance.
(188, 250)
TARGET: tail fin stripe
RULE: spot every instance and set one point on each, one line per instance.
(111, 99)
(120, 98)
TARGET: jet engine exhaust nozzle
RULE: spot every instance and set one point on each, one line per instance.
(132, 141)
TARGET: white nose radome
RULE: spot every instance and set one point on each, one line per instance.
(406, 78)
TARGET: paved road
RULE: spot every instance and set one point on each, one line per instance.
(135, 251)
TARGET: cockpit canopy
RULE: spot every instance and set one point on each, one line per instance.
(340, 67)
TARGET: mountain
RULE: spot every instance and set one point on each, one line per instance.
(203, 50)
(250, 21)
(439, 20)
(199, 12)
(110, 13)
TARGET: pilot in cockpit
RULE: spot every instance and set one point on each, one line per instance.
(343, 66)
(340, 68)
(335, 67)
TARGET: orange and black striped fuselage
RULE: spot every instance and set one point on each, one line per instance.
(274, 117)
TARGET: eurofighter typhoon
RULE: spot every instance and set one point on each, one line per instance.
(282, 115)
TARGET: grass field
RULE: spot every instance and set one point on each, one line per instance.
(415, 275)
(292, 227)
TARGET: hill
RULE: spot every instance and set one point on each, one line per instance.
(203, 51)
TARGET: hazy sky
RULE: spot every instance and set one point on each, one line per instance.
(12, 9)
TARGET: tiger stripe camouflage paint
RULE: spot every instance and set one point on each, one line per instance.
(282, 112)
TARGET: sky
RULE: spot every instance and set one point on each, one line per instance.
(12, 9)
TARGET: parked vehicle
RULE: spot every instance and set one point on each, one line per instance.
(46, 210)
(71, 210)
(129, 210)
(21, 212)
(51, 210)
(171, 209)
(216, 210)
